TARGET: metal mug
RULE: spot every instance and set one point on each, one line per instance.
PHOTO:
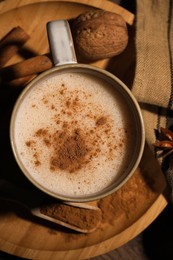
(64, 58)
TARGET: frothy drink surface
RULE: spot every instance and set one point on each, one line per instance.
(72, 132)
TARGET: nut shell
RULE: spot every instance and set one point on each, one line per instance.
(99, 34)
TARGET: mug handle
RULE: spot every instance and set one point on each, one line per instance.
(61, 42)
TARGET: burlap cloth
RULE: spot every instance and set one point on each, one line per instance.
(153, 77)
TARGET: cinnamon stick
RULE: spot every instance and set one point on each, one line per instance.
(11, 43)
(20, 82)
(26, 68)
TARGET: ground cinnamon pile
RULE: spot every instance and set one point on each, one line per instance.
(71, 153)
(78, 217)
(128, 202)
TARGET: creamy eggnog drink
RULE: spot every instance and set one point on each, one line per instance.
(73, 133)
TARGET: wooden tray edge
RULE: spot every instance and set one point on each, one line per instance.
(7, 5)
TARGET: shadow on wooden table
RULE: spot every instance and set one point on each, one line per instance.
(157, 238)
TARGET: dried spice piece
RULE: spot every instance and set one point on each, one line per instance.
(78, 217)
(11, 43)
(27, 67)
(164, 144)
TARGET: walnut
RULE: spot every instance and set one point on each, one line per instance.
(99, 34)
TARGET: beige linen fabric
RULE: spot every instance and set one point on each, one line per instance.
(153, 81)
(153, 78)
(153, 86)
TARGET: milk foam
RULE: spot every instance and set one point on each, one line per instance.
(62, 103)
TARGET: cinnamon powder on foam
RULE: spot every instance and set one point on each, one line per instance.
(74, 147)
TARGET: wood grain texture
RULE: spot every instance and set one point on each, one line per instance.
(103, 4)
(138, 203)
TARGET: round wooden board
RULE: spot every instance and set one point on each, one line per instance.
(137, 204)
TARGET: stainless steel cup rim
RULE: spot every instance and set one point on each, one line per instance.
(138, 116)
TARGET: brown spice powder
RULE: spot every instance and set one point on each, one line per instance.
(71, 153)
(79, 217)
(134, 196)
(101, 121)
